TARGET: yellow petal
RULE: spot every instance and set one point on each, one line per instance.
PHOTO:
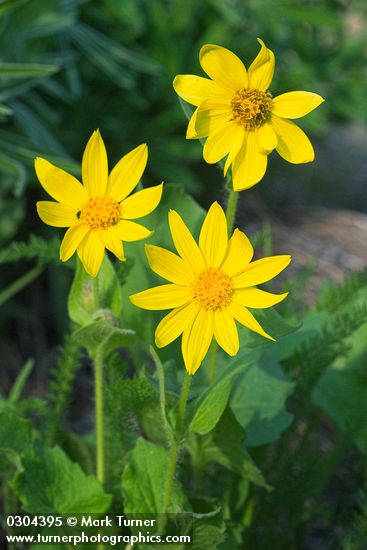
(225, 331)
(238, 255)
(173, 324)
(60, 185)
(131, 231)
(191, 132)
(141, 203)
(194, 89)
(249, 165)
(72, 239)
(219, 143)
(211, 117)
(162, 297)
(295, 104)
(126, 174)
(213, 238)
(169, 266)
(237, 143)
(256, 298)
(293, 144)
(95, 166)
(267, 138)
(56, 214)
(261, 70)
(91, 252)
(243, 316)
(223, 66)
(184, 242)
(260, 271)
(196, 340)
(113, 243)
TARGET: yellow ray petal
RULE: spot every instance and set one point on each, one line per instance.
(211, 117)
(238, 255)
(95, 166)
(249, 165)
(72, 239)
(196, 340)
(91, 252)
(293, 144)
(162, 297)
(113, 243)
(194, 89)
(223, 66)
(126, 174)
(267, 138)
(184, 242)
(60, 185)
(261, 70)
(256, 298)
(173, 324)
(243, 316)
(191, 132)
(56, 214)
(295, 104)
(225, 331)
(131, 231)
(213, 238)
(141, 203)
(237, 143)
(222, 141)
(260, 271)
(169, 266)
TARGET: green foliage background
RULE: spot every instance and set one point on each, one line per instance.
(298, 408)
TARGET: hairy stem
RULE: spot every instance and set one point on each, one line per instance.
(175, 448)
(231, 208)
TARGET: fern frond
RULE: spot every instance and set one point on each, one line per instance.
(35, 248)
(335, 296)
(61, 386)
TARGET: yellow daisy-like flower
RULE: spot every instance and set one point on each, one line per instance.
(240, 117)
(211, 286)
(99, 212)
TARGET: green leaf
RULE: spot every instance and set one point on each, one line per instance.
(143, 481)
(224, 445)
(341, 391)
(15, 435)
(25, 70)
(208, 531)
(52, 484)
(104, 337)
(211, 406)
(82, 305)
(258, 401)
(272, 323)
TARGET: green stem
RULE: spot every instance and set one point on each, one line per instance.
(95, 287)
(212, 361)
(98, 387)
(20, 283)
(175, 448)
(231, 208)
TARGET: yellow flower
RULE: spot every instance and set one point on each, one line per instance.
(98, 213)
(239, 116)
(211, 285)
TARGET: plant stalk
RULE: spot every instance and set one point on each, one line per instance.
(175, 448)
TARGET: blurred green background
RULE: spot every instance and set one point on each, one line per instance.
(70, 66)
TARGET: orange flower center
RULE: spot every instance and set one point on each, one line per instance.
(251, 108)
(212, 288)
(100, 213)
